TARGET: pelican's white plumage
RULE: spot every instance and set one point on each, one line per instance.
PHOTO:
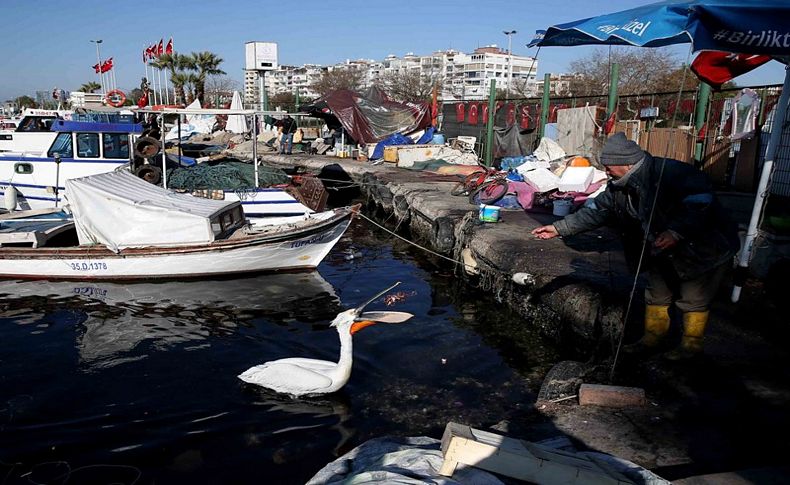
(300, 376)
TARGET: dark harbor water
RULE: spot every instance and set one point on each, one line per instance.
(136, 383)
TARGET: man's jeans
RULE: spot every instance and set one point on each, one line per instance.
(286, 143)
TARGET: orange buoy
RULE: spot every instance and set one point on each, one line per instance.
(115, 98)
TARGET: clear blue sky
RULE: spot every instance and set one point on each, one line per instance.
(47, 41)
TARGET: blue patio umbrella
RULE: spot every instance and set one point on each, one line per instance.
(743, 26)
(740, 26)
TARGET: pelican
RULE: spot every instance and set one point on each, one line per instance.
(299, 376)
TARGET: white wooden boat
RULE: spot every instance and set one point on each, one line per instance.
(124, 228)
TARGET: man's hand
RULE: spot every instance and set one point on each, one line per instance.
(665, 240)
(545, 232)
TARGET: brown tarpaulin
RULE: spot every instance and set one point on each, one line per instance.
(371, 116)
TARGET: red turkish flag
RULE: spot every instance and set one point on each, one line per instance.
(161, 49)
(169, 47)
(143, 101)
(97, 68)
(510, 114)
(472, 118)
(106, 65)
(716, 68)
(459, 112)
(485, 114)
(525, 117)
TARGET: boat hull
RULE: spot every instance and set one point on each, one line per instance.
(298, 249)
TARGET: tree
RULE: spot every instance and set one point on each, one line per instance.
(183, 85)
(25, 102)
(206, 64)
(409, 86)
(642, 70)
(178, 66)
(344, 78)
(219, 89)
(285, 99)
(90, 87)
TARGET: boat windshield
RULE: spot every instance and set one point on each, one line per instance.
(61, 146)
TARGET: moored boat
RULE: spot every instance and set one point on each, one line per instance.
(124, 228)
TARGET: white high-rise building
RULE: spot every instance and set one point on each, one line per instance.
(463, 76)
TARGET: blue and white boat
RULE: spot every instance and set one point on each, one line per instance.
(83, 146)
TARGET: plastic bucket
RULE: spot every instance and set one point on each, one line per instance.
(438, 139)
(489, 213)
(562, 207)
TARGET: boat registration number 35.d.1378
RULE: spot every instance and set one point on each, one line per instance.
(87, 265)
(312, 240)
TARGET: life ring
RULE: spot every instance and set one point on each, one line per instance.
(115, 98)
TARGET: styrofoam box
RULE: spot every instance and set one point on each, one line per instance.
(576, 179)
(541, 179)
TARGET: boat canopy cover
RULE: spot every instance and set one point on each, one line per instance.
(120, 210)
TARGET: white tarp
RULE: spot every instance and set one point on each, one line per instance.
(236, 123)
(120, 210)
(195, 124)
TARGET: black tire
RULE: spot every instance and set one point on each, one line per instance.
(489, 192)
(562, 380)
(147, 147)
(150, 173)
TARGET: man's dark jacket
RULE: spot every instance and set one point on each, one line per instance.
(686, 206)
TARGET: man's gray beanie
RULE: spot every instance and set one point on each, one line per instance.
(619, 150)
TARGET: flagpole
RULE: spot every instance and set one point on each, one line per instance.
(159, 76)
(167, 89)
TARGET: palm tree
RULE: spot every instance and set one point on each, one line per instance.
(90, 87)
(207, 64)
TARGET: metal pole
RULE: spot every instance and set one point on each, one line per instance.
(490, 125)
(255, 147)
(614, 76)
(777, 127)
(179, 140)
(264, 96)
(699, 117)
(164, 155)
(57, 177)
(544, 106)
(98, 63)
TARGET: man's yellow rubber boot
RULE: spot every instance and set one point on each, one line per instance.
(656, 328)
(694, 324)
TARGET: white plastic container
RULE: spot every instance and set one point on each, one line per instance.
(576, 179)
(541, 179)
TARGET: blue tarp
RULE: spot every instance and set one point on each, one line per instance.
(396, 139)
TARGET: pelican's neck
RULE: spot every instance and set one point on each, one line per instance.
(346, 353)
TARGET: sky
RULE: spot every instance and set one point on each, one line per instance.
(48, 41)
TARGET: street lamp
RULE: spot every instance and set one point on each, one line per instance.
(98, 63)
(509, 34)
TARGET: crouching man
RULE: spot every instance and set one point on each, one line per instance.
(690, 240)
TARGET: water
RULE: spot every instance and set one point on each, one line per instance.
(109, 383)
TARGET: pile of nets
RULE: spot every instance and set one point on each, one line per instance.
(224, 175)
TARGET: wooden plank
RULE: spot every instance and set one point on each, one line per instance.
(520, 459)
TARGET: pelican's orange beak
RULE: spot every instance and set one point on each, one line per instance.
(357, 326)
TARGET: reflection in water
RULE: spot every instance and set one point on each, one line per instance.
(116, 318)
(309, 413)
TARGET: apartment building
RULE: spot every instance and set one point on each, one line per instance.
(462, 76)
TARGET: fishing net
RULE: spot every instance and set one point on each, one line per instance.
(226, 175)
